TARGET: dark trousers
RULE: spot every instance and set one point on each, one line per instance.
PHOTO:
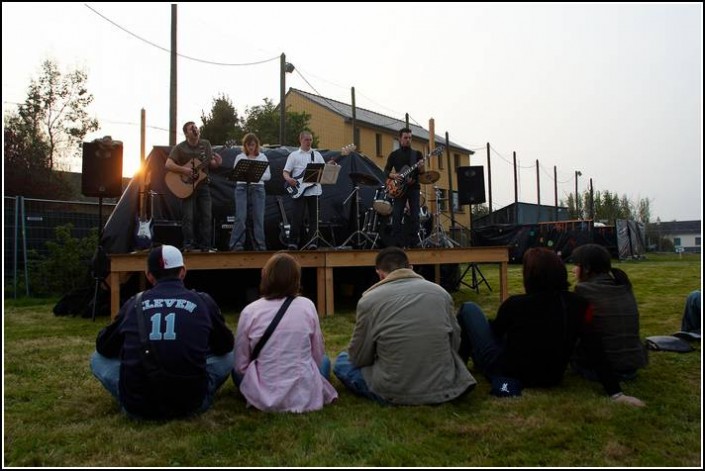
(298, 233)
(406, 238)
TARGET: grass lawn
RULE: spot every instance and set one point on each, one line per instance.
(56, 414)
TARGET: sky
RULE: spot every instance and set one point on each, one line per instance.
(613, 91)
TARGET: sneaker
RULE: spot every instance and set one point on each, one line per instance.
(190, 248)
(210, 250)
(239, 248)
(312, 247)
(292, 247)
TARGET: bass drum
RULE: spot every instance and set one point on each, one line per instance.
(383, 203)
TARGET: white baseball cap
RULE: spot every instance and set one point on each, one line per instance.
(164, 257)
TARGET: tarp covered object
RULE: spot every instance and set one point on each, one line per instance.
(336, 214)
(631, 239)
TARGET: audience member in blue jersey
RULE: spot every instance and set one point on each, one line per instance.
(184, 356)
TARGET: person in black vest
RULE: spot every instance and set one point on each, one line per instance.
(397, 161)
(185, 332)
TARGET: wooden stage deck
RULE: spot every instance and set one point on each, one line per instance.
(121, 265)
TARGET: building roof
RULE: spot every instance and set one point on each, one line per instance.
(375, 119)
(679, 227)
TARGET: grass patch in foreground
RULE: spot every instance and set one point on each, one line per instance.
(57, 414)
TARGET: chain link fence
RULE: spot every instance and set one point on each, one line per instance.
(30, 223)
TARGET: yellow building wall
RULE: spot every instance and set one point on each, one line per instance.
(333, 132)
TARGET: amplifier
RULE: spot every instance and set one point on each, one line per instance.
(168, 232)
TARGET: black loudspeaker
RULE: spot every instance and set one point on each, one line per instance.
(102, 168)
(471, 185)
(168, 233)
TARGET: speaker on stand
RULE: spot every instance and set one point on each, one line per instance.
(471, 190)
(471, 185)
(101, 177)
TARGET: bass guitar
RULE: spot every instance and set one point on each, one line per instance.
(284, 226)
(183, 186)
(295, 191)
(397, 187)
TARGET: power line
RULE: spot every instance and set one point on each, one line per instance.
(195, 59)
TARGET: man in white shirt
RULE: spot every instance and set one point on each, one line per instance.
(305, 194)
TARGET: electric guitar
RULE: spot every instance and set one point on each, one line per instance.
(295, 191)
(397, 188)
(284, 226)
(183, 186)
(143, 235)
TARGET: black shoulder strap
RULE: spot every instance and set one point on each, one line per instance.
(270, 328)
(311, 156)
(144, 339)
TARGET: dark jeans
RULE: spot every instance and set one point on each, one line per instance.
(398, 236)
(351, 376)
(196, 218)
(692, 313)
(298, 236)
(477, 340)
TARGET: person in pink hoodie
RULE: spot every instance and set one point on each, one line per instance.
(291, 372)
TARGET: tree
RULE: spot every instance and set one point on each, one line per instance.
(609, 207)
(46, 131)
(222, 125)
(643, 210)
(263, 120)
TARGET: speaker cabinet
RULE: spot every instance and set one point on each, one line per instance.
(471, 185)
(102, 169)
(168, 233)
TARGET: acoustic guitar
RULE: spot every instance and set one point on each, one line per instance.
(183, 186)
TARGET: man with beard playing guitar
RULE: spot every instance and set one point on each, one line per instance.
(190, 160)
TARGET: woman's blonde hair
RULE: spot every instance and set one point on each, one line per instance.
(250, 137)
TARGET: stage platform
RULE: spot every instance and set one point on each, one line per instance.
(122, 265)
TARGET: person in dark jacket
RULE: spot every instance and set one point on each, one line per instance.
(398, 161)
(187, 338)
(532, 338)
(614, 313)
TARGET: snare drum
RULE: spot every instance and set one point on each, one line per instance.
(382, 202)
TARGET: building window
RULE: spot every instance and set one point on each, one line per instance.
(378, 145)
(441, 159)
(444, 200)
(677, 241)
(697, 241)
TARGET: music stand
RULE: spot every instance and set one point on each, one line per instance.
(248, 171)
(321, 174)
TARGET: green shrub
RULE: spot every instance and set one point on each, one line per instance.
(68, 265)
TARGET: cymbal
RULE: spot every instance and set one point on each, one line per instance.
(364, 179)
(429, 176)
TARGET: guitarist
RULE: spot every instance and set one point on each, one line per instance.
(403, 157)
(185, 159)
(293, 169)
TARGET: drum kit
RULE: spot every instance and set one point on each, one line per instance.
(382, 207)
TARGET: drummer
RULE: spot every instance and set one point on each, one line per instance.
(403, 157)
